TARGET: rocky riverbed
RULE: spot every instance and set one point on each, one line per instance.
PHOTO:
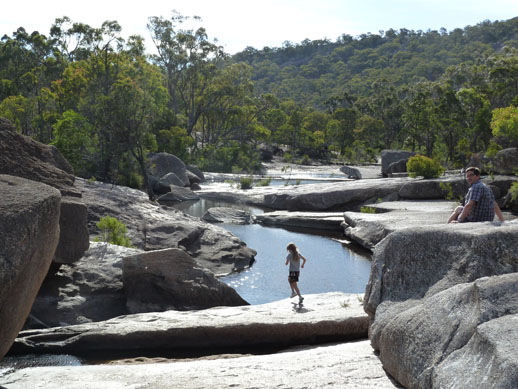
(440, 302)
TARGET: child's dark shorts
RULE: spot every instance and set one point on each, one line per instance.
(294, 276)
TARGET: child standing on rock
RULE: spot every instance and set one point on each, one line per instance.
(293, 258)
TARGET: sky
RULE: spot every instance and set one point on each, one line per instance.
(237, 24)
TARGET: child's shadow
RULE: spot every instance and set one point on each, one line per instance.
(299, 308)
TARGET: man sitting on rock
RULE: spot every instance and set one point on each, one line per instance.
(479, 205)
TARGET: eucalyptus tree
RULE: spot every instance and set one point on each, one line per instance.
(451, 118)
(420, 117)
(136, 98)
(340, 129)
(28, 66)
(189, 62)
(385, 104)
(503, 78)
(477, 118)
(232, 111)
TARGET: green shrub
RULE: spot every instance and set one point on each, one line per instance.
(113, 231)
(288, 157)
(305, 160)
(265, 182)
(245, 182)
(419, 165)
(514, 191)
(366, 209)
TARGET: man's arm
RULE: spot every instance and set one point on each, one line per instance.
(466, 211)
(498, 212)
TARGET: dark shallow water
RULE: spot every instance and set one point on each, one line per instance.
(331, 266)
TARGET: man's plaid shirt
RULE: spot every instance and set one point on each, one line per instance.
(484, 203)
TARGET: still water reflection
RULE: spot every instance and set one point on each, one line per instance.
(330, 267)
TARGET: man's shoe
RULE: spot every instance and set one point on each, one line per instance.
(293, 294)
(301, 299)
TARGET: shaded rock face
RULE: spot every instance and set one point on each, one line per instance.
(164, 163)
(196, 171)
(24, 157)
(170, 279)
(29, 233)
(506, 161)
(90, 289)
(177, 194)
(154, 227)
(436, 293)
(439, 188)
(163, 185)
(73, 231)
(390, 156)
(351, 172)
(397, 167)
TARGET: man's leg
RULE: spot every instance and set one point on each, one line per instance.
(455, 214)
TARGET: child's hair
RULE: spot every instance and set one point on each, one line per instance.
(294, 250)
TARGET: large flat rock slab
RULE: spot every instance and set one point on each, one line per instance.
(368, 229)
(314, 220)
(323, 318)
(346, 365)
(344, 195)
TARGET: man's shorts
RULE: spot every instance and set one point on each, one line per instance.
(294, 276)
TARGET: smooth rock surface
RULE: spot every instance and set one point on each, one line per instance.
(439, 257)
(166, 279)
(489, 359)
(90, 289)
(345, 365)
(323, 318)
(314, 220)
(368, 229)
(331, 197)
(413, 341)
(29, 235)
(227, 215)
(429, 291)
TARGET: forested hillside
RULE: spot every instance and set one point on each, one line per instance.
(105, 103)
(311, 71)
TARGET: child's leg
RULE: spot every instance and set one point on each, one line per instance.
(295, 288)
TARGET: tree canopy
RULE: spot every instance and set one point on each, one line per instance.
(106, 104)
